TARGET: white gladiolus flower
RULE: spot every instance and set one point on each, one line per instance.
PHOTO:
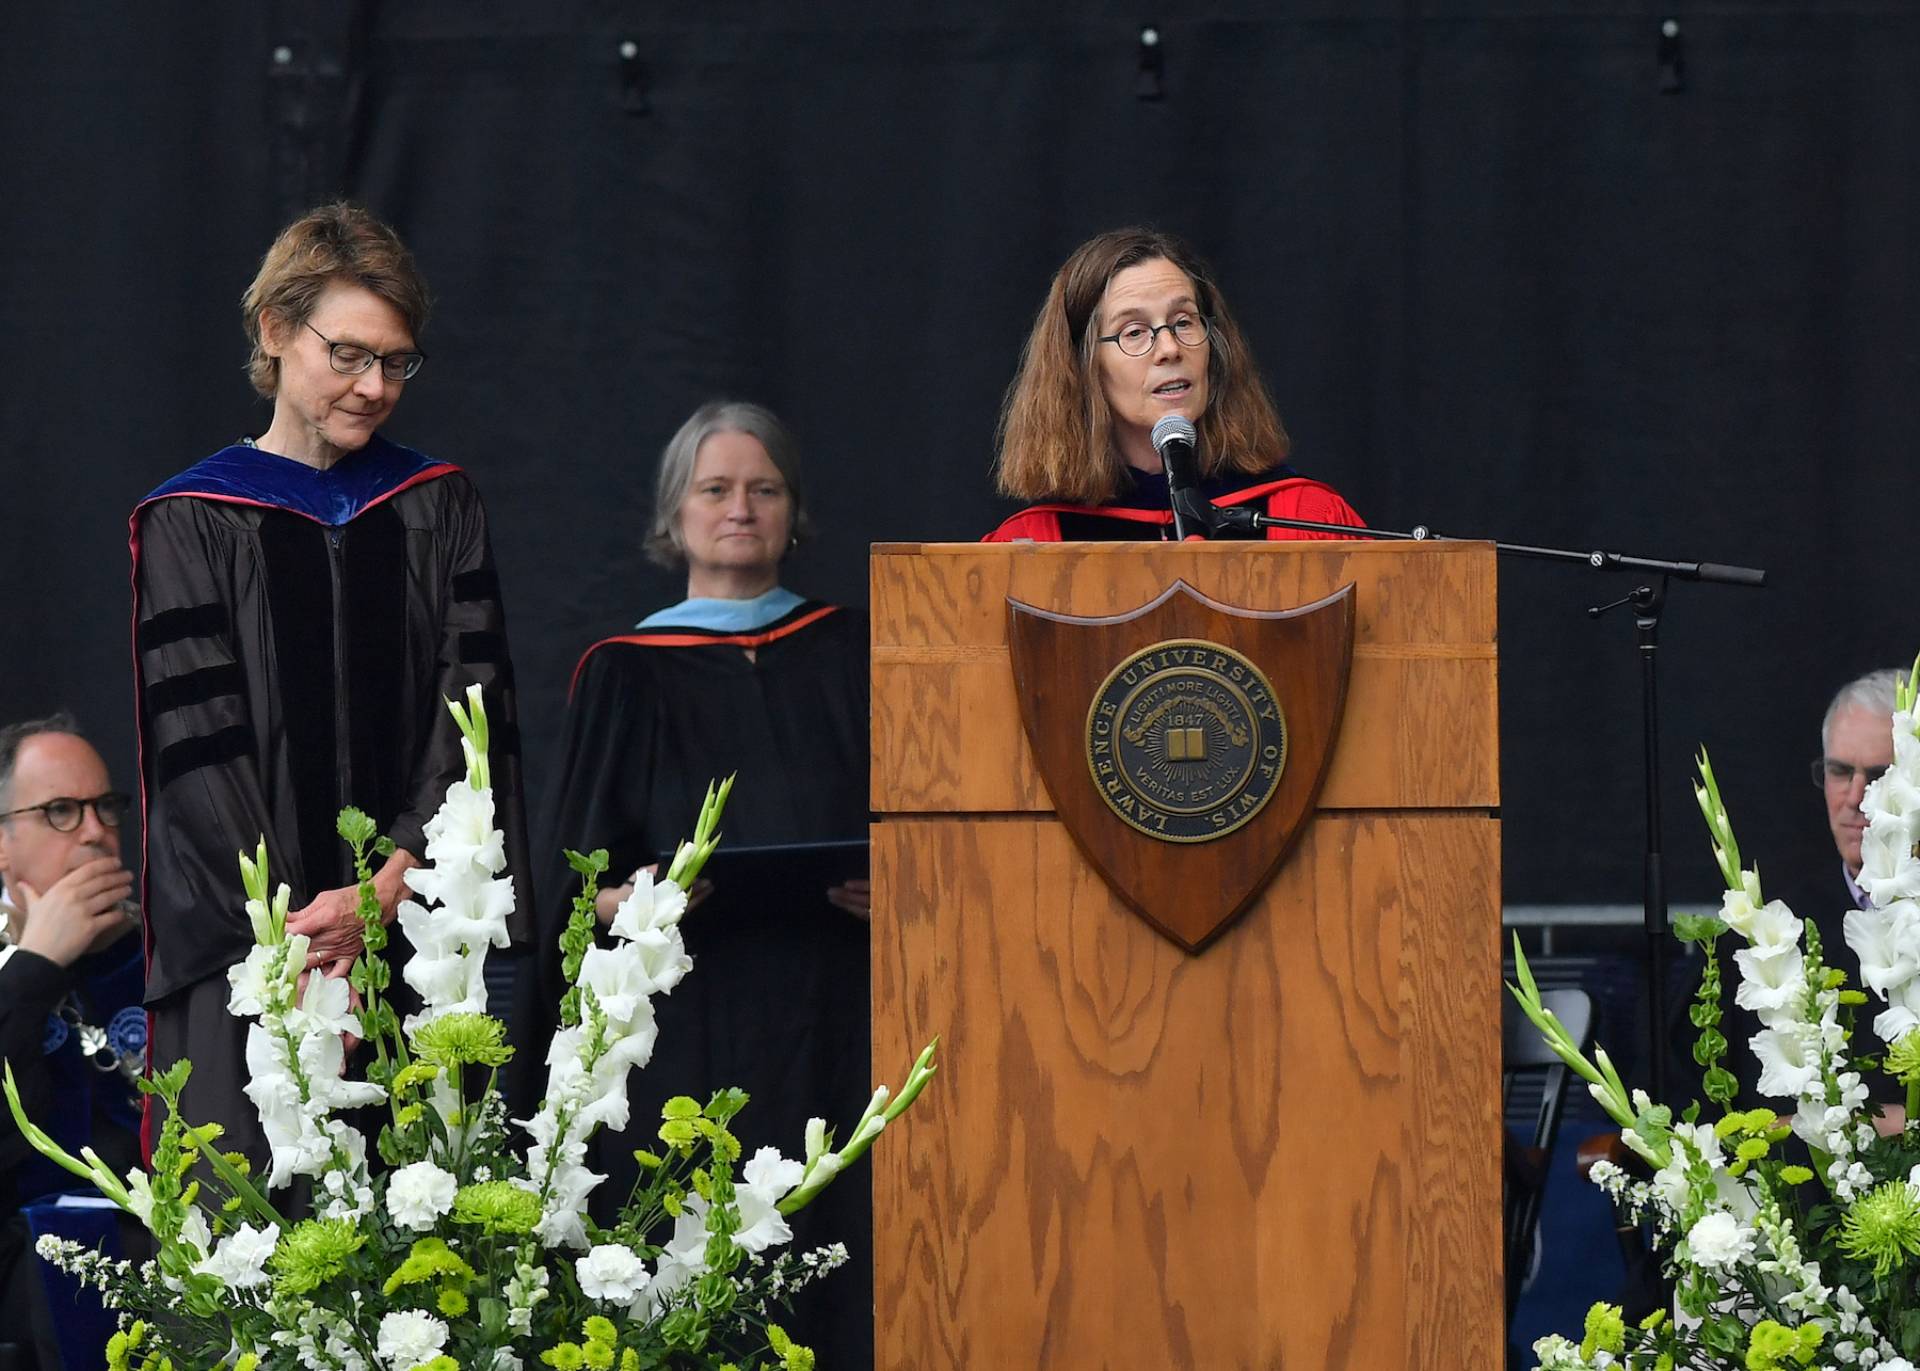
(682, 1260)
(652, 906)
(240, 1261)
(561, 1224)
(409, 1338)
(419, 1194)
(611, 1273)
(1773, 984)
(1888, 871)
(765, 1180)
(1887, 941)
(462, 834)
(1787, 1066)
(327, 1008)
(194, 1231)
(1718, 1241)
(1902, 1014)
(1738, 907)
(1774, 926)
(1670, 1183)
(140, 1195)
(251, 980)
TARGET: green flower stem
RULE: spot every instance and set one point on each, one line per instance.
(1610, 1091)
(692, 856)
(97, 1175)
(882, 1109)
(473, 733)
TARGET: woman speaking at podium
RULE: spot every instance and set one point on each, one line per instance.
(742, 676)
(1134, 329)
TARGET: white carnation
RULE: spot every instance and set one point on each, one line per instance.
(611, 1272)
(240, 1261)
(419, 1194)
(1718, 1241)
(409, 1338)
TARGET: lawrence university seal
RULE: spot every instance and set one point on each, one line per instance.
(1186, 740)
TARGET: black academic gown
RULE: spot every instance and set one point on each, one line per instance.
(295, 633)
(777, 1000)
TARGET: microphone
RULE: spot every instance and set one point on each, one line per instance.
(1174, 438)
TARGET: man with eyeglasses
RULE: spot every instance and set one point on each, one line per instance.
(1856, 748)
(71, 1026)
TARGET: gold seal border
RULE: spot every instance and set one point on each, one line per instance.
(1241, 821)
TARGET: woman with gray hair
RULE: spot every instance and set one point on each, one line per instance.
(748, 677)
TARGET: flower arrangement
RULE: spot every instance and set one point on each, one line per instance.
(1783, 1253)
(456, 1253)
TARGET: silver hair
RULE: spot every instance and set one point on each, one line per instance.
(16, 736)
(675, 477)
(1872, 692)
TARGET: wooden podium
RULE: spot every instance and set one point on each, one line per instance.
(1280, 1151)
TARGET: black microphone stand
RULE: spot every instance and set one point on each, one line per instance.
(1647, 601)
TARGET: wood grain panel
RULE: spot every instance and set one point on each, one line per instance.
(1421, 731)
(953, 594)
(1283, 1153)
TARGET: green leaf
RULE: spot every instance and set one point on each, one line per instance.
(591, 864)
(1697, 928)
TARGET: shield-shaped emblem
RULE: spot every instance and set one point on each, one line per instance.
(1184, 743)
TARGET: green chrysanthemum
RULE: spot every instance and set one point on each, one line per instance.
(427, 1260)
(1883, 1227)
(312, 1253)
(1774, 1347)
(1606, 1330)
(1903, 1058)
(599, 1328)
(497, 1207)
(793, 1357)
(456, 1040)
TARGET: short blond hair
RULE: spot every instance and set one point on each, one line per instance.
(337, 242)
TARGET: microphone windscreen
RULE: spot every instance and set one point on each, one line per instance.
(1174, 428)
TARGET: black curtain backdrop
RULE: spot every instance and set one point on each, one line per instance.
(1501, 281)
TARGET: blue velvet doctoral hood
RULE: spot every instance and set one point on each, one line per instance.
(336, 496)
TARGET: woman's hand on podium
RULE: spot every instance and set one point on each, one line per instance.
(855, 896)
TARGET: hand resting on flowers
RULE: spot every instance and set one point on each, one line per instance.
(331, 923)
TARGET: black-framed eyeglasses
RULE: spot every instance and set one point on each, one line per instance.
(1832, 771)
(350, 359)
(1137, 339)
(64, 812)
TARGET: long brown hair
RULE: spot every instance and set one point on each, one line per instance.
(1055, 440)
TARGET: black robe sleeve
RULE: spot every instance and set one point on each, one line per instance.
(198, 751)
(599, 799)
(472, 651)
(30, 986)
